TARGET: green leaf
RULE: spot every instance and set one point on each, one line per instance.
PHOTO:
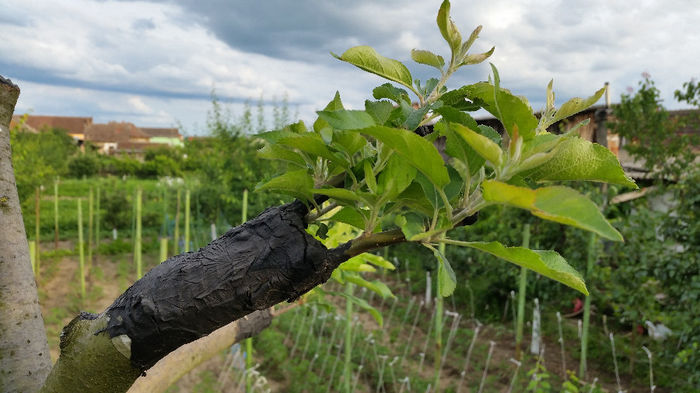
(348, 141)
(313, 144)
(342, 195)
(447, 27)
(347, 119)
(509, 109)
(366, 58)
(391, 92)
(417, 151)
(375, 286)
(296, 183)
(559, 204)
(356, 265)
(428, 58)
(277, 152)
(379, 110)
(547, 263)
(410, 224)
(579, 159)
(369, 177)
(478, 58)
(335, 105)
(576, 105)
(396, 176)
(452, 115)
(447, 279)
(362, 303)
(376, 260)
(414, 198)
(484, 146)
(351, 216)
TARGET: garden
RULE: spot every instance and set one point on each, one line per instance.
(469, 258)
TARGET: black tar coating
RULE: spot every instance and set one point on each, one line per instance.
(254, 266)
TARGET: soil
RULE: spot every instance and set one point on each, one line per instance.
(60, 300)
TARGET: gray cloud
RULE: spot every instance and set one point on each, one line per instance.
(170, 54)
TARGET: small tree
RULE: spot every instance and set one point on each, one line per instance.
(381, 170)
(651, 135)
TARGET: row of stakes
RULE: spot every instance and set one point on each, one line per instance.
(311, 317)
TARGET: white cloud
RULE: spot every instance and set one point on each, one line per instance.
(156, 63)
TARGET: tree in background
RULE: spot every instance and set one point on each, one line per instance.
(651, 134)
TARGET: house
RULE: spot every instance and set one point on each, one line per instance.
(109, 138)
(167, 136)
(74, 126)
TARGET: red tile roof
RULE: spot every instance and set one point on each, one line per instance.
(74, 125)
(114, 132)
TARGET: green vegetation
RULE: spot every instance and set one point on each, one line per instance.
(382, 178)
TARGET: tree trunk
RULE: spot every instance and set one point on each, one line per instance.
(24, 350)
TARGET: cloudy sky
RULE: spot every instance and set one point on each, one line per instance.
(155, 63)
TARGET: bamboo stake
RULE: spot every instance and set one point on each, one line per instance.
(55, 214)
(163, 248)
(137, 237)
(97, 222)
(187, 220)
(521, 297)
(32, 254)
(37, 230)
(176, 233)
(587, 307)
(91, 203)
(80, 248)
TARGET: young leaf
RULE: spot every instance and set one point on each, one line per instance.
(356, 265)
(396, 176)
(375, 286)
(348, 141)
(342, 195)
(559, 204)
(481, 144)
(376, 260)
(314, 144)
(446, 276)
(297, 183)
(335, 105)
(369, 177)
(362, 303)
(379, 110)
(415, 150)
(366, 58)
(277, 152)
(576, 105)
(513, 110)
(410, 224)
(391, 92)
(448, 29)
(351, 216)
(347, 119)
(579, 159)
(547, 263)
(428, 58)
(478, 58)
(453, 115)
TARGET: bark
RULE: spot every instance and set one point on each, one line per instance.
(24, 351)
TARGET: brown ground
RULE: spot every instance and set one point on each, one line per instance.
(60, 301)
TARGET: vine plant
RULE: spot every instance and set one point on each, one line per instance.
(399, 173)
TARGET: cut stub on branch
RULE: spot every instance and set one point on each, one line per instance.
(252, 267)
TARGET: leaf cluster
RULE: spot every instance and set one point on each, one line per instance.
(383, 173)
